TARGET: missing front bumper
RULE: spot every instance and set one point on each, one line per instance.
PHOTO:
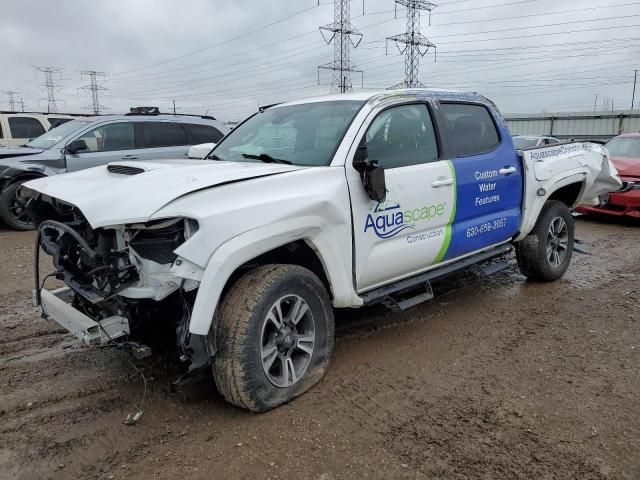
(56, 305)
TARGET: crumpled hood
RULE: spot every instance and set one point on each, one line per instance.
(627, 167)
(107, 198)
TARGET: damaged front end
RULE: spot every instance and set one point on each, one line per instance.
(124, 284)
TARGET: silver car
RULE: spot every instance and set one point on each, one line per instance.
(94, 141)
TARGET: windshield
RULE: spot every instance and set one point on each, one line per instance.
(523, 142)
(624, 147)
(54, 135)
(306, 134)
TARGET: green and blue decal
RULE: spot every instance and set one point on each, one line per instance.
(485, 211)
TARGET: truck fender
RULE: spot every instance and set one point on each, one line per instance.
(530, 215)
(249, 245)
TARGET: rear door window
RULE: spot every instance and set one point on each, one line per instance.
(25, 127)
(164, 134)
(471, 129)
(203, 133)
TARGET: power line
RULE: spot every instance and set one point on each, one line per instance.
(486, 6)
(200, 50)
(52, 106)
(183, 73)
(561, 24)
(415, 45)
(269, 63)
(94, 88)
(342, 33)
(633, 95)
(267, 68)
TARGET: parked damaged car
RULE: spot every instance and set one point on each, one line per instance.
(625, 155)
(331, 202)
(92, 141)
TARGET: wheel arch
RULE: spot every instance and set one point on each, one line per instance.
(567, 190)
(13, 176)
(568, 194)
(299, 252)
(300, 243)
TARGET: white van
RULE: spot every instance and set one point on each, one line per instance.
(19, 128)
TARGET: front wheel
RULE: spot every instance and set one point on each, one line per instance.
(12, 211)
(275, 335)
(545, 254)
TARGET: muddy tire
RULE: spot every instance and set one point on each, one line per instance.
(11, 213)
(275, 336)
(545, 254)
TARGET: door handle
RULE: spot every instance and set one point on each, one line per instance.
(442, 183)
(507, 170)
(130, 157)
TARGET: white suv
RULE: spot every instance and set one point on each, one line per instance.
(18, 128)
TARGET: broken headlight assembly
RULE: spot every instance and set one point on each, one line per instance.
(98, 264)
(156, 241)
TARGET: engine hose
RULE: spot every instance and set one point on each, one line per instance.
(65, 228)
(36, 267)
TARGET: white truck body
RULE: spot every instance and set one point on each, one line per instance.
(244, 210)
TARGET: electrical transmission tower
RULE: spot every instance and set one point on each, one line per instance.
(344, 36)
(412, 44)
(94, 88)
(52, 106)
(12, 102)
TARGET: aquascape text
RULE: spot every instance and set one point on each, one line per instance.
(391, 221)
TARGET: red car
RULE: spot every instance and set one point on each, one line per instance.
(625, 155)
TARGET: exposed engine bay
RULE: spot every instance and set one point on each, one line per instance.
(120, 278)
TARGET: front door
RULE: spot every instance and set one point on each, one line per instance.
(110, 142)
(411, 230)
(488, 177)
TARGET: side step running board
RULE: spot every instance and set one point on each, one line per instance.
(399, 306)
(385, 295)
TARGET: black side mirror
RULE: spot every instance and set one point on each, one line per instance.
(77, 146)
(372, 176)
(360, 159)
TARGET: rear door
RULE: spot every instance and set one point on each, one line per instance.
(488, 177)
(410, 231)
(163, 139)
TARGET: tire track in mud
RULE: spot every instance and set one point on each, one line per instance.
(472, 385)
(394, 408)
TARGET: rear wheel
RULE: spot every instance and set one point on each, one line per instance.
(12, 211)
(545, 254)
(275, 336)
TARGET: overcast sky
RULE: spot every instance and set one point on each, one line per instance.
(229, 57)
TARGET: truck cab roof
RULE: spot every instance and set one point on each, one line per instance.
(372, 96)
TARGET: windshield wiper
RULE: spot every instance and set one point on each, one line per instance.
(266, 158)
(215, 157)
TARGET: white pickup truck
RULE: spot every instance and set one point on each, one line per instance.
(331, 202)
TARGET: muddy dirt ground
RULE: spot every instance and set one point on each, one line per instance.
(495, 379)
